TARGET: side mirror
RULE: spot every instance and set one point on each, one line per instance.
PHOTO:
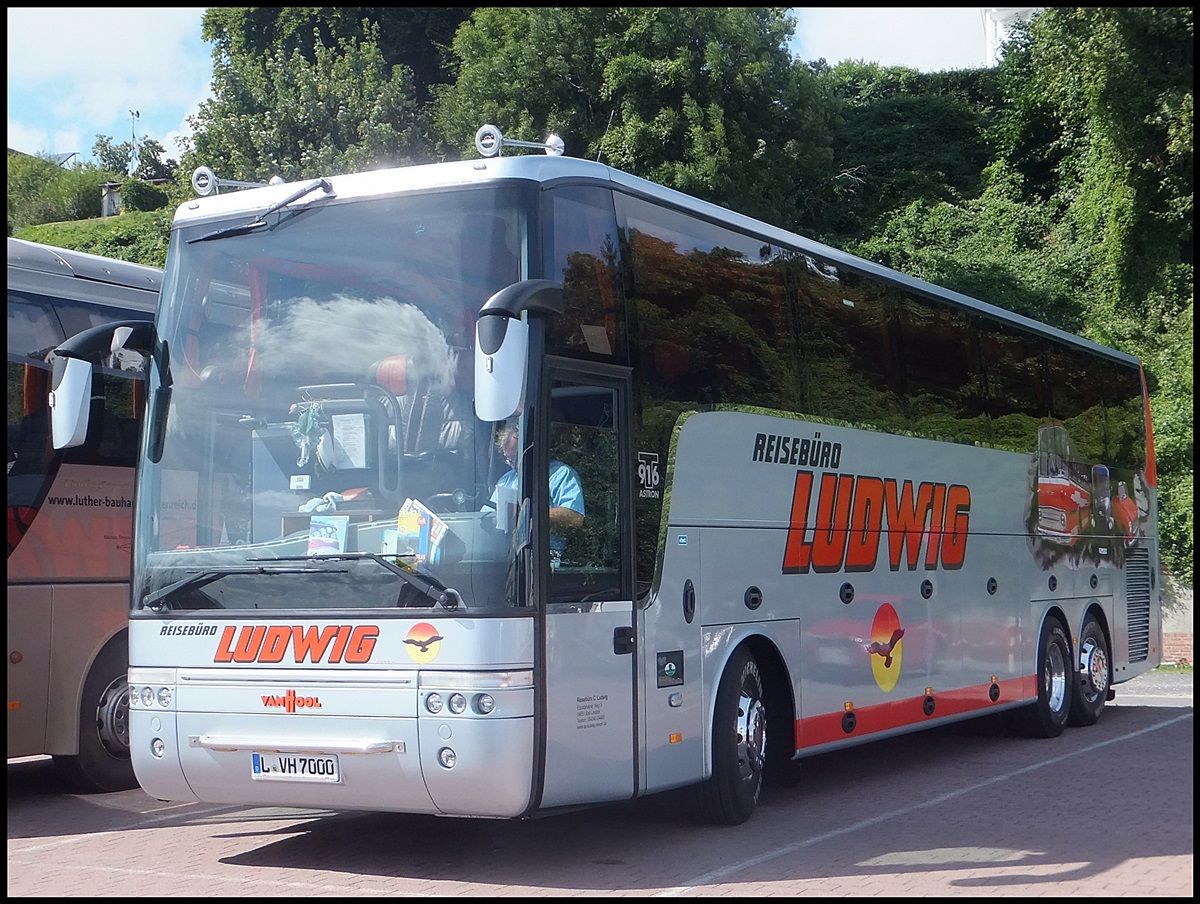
(501, 353)
(70, 396)
(502, 344)
(70, 401)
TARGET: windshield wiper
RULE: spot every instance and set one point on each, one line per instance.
(157, 601)
(431, 587)
(260, 222)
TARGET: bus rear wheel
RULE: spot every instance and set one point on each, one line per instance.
(739, 745)
(1092, 688)
(1047, 716)
(103, 762)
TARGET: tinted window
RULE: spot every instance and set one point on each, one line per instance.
(943, 386)
(582, 253)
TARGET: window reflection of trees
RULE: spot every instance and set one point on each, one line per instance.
(722, 318)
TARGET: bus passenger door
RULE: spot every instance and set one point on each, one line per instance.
(589, 658)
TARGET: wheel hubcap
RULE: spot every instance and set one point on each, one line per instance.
(1056, 678)
(1093, 666)
(751, 737)
(112, 718)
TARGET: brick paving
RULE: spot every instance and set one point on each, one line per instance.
(1102, 811)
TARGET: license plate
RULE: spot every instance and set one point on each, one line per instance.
(295, 767)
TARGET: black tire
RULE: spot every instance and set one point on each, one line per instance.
(1091, 691)
(780, 771)
(1047, 716)
(103, 763)
(739, 745)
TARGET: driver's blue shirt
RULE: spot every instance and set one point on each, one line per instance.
(565, 492)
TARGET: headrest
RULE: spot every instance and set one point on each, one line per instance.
(392, 374)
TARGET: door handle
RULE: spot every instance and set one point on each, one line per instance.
(623, 641)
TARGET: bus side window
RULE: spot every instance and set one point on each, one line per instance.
(29, 447)
(590, 564)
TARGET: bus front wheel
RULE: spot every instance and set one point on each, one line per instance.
(739, 745)
(1047, 716)
(102, 763)
(1092, 688)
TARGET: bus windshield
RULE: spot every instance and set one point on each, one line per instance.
(311, 439)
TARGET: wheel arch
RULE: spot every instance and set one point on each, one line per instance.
(62, 732)
(1059, 614)
(778, 689)
(1094, 608)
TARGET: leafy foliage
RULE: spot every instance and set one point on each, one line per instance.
(1085, 217)
(705, 100)
(152, 160)
(41, 191)
(284, 114)
(417, 37)
(139, 195)
(904, 136)
(137, 236)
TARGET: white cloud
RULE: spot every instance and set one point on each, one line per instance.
(76, 72)
(923, 38)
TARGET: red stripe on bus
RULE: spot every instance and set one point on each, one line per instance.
(826, 728)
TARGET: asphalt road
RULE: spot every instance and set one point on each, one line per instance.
(961, 810)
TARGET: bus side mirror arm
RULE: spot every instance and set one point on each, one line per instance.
(502, 344)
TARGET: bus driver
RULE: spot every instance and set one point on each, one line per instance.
(566, 493)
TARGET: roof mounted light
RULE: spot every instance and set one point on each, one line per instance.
(490, 142)
(205, 182)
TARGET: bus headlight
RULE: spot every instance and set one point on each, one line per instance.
(458, 704)
(433, 702)
(484, 703)
(147, 694)
(157, 747)
(164, 696)
(447, 757)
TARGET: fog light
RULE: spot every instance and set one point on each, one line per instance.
(447, 757)
(433, 703)
(458, 704)
(164, 696)
(157, 747)
(484, 704)
(147, 696)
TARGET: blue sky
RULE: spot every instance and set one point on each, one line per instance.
(75, 73)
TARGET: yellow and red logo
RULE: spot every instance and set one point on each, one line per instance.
(290, 701)
(886, 647)
(423, 642)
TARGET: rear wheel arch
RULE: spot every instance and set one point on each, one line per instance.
(101, 762)
(780, 700)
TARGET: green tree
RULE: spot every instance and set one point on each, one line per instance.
(1110, 93)
(416, 37)
(280, 114)
(41, 191)
(28, 201)
(904, 136)
(153, 162)
(705, 100)
(1085, 220)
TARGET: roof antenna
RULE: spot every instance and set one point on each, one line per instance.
(606, 128)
